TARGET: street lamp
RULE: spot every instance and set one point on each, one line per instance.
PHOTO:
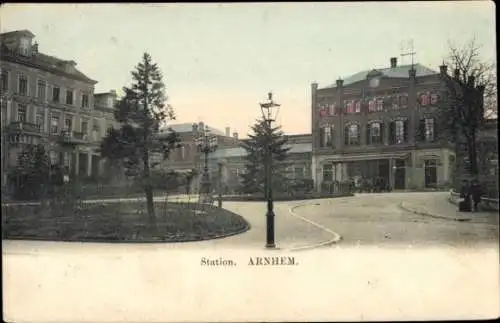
(270, 111)
(206, 143)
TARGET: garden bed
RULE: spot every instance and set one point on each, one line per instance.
(123, 222)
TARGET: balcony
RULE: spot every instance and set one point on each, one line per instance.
(72, 138)
(18, 127)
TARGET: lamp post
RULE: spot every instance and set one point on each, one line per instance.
(270, 111)
(206, 143)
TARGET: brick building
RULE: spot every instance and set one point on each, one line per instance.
(379, 124)
(47, 100)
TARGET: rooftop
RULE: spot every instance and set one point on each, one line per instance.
(241, 152)
(188, 127)
(40, 60)
(401, 71)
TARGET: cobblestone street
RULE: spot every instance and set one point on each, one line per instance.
(378, 219)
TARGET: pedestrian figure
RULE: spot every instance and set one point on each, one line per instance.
(476, 193)
(465, 194)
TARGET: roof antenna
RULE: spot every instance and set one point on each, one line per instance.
(407, 49)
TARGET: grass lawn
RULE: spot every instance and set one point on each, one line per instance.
(119, 222)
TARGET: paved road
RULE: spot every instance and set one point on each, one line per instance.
(377, 219)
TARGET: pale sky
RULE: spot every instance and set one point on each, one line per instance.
(220, 60)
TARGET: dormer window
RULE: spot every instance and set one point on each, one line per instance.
(24, 46)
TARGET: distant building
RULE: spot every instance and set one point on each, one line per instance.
(47, 100)
(230, 155)
(379, 123)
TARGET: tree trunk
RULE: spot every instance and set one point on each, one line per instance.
(472, 154)
(148, 189)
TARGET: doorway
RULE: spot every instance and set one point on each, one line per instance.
(399, 174)
(430, 169)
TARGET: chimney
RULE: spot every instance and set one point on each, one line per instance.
(340, 82)
(235, 135)
(228, 132)
(34, 49)
(443, 69)
(394, 62)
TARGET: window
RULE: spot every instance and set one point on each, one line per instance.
(68, 124)
(39, 120)
(327, 173)
(403, 101)
(429, 129)
(323, 110)
(23, 85)
(85, 101)
(332, 109)
(85, 127)
(41, 89)
(3, 103)
(66, 159)
(352, 135)
(5, 81)
(326, 135)
(24, 46)
(53, 157)
(424, 99)
(375, 133)
(371, 106)
(357, 106)
(350, 107)
(69, 97)
(21, 113)
(434, 98)
(399, 131)
(109, 128)
(56, 91)
(54, 124)
(380, 105)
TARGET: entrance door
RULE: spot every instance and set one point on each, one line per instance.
(399, 175)
(430, 168)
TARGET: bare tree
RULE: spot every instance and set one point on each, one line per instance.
(471, 97)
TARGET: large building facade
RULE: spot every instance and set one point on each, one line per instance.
(47, 100)
(380, 124)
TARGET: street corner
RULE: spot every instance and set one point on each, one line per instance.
(332, 237)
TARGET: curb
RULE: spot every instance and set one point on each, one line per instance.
(411, 210)
(147, 241)
(336, 237)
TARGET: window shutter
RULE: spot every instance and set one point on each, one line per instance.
(321, 136)
(435, 125)
(332, 134)
(382, 132)
(359, 134)
(421, 130)
(405, 131)
(392, 132)
(368, 135)
(346, 135)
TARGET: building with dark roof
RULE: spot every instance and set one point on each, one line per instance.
(48, 100)
(378, 124)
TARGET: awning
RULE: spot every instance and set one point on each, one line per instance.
(361, 157)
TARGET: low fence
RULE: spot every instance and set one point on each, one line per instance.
(488, 204)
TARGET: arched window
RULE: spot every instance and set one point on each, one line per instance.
(352, 134)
